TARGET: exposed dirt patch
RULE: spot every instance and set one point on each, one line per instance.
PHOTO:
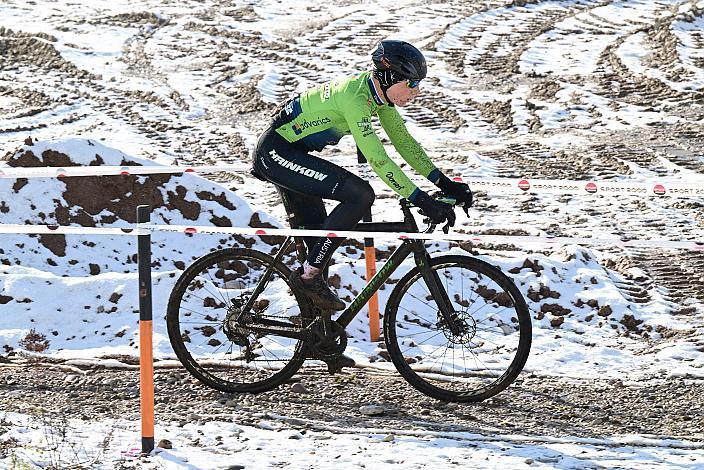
(585, 408)
(36, 50)
(533, 265)
(496, 112)
(545, 90)
(544, 292)
(55, 243)
(555, 309)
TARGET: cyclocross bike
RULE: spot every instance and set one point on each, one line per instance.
(455, 327)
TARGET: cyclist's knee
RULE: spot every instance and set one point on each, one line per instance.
(358, 192)
(366, 195)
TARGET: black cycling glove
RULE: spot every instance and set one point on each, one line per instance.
(437, 211)
(459, 191)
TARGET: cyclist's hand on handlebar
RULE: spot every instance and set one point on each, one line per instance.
(458, 191)
(437, 211)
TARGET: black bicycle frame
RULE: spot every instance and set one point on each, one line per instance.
(422, 259)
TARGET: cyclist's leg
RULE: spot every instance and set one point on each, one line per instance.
(307, 211)
(290, 166)
(356, 196)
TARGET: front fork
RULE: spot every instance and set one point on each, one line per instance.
(437, 290)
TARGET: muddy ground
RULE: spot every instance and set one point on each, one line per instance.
(51, 96)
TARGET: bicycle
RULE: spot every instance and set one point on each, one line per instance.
(236, 324)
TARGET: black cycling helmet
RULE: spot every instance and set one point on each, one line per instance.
(395, 61)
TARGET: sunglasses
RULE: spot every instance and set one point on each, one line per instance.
(412, 83)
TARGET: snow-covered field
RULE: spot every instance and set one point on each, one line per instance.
(575, 89)
(271, 444)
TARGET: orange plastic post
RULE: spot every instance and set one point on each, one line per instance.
(146, 355)
(146, 384)
(370, 258)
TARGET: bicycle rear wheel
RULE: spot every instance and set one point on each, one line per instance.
(215, 349)
(492, 335)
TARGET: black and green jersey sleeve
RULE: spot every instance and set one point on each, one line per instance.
(323, 115)
(403, 141)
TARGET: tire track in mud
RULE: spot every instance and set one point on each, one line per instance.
(611, 78)
(501, 56)
(23, 57)
(617, 82)
(486, 47)
(680, 272)
(620, 82)
(73, 87)
(614, 159)
(461, 39)
(627, 218)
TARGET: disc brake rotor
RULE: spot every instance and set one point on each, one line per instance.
(463, 322)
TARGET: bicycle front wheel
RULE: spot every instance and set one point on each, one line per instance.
(477, 353)
(205, 337)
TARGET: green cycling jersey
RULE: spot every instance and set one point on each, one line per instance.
(322, 115)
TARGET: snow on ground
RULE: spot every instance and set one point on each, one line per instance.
(93, 316)
(579, 314)
(225, 445)
(100, 323)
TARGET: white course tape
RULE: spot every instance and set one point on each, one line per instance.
(71, 230)
(493, 185)
(70, 171)
(143, 229)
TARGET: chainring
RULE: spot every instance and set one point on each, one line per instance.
(329, 346)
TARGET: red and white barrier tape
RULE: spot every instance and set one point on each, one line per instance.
(143, 229)
(496, 185)
(609, 188)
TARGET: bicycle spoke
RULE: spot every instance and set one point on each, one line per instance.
(226, 301)
(201, 323)
(191, 294)
(194, 311)
(465, 356)
(221, 281)
(427, 339)
(423, 301)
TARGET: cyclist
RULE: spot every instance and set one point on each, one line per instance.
(321, 116)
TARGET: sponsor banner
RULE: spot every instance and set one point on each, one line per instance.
(605, 188)
(144, 229)
(649, 188)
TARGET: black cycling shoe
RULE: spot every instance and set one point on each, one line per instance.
(336, 365)
(317, 291)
